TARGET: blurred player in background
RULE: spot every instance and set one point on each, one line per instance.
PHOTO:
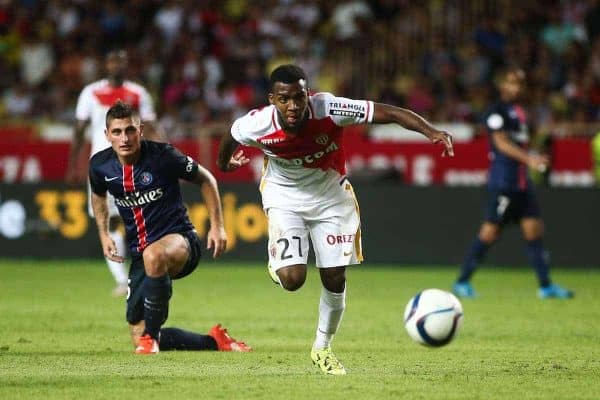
(143, 177)
(304, 188)
(510, 192)
(93, 102)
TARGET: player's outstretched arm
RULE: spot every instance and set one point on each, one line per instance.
(226, 160)
(508, 148)
(100, 208)
(385, 114)
(72, 175)
(217, 238)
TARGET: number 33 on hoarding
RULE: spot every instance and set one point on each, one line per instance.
(64, 211)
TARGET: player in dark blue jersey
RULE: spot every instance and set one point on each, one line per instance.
(510, 191)
(143, 177)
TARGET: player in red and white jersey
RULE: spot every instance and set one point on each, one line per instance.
(304, 189)
(94, 101)
(308, 167)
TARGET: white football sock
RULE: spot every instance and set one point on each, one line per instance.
(118, 269)
(331, 309)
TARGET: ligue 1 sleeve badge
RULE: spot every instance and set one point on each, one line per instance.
(146, 178)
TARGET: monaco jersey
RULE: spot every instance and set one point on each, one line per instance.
(307, 167)
(146, 193)
(97, 97)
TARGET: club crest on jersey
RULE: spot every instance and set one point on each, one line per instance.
(322, 139)
(146, 178)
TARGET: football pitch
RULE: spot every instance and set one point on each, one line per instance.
(63, 337)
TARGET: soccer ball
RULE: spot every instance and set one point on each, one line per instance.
(432, 317)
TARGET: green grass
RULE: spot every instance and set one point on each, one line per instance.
(63, 337)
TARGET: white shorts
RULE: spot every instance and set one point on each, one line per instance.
(113, 211)
(334, 229)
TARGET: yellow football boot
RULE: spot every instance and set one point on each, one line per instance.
(327, 362)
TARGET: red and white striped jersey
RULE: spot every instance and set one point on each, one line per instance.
(97, 97)
(302, 168)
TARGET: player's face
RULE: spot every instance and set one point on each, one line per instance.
(511, 86)
(116, 65)
(125, 136)
(291, 101)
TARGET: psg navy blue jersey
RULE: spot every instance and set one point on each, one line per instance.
(507, 173)
(147, 193)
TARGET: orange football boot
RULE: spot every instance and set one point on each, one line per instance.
(226, 342)
(147, 345)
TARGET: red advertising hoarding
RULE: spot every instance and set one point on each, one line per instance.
(415, 163)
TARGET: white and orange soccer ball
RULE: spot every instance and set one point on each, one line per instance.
(433, 317)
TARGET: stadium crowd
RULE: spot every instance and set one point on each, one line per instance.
(207, 61)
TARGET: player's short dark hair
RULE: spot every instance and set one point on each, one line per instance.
(120, 110)
(117, 53)
(287, 73)
(509, 69)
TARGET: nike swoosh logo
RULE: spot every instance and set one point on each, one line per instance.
(107, 179)
(347, 254)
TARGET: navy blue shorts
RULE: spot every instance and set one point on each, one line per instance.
(506, 207)
(137, 273)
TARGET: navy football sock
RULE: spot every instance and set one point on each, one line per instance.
(539, 259)
(157, 292)
(178, 339)
(474, 257)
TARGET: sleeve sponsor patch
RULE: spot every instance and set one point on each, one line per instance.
(343, 109)
(346, 113)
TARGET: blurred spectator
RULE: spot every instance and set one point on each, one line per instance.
(18, 101)
(112, 23)
(90, 65)
(574, 87)
(476, 67)
(214, 56)
(491, 38)
(37, 59)
(592, 20)
(65, 16)
(420, 96)
(347, 16)
(557, 34)
(169, 20)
